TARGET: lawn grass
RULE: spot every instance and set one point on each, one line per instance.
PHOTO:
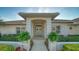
(4, 47)
(71, 47)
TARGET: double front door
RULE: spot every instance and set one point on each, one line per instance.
(38, 28)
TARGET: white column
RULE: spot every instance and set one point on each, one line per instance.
(49, 26)
(29, 26)
(45, 28)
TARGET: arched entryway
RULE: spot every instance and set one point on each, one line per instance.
(38, 27)
(38, 31)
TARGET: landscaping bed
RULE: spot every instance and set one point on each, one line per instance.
(71, 47)
(23, 37)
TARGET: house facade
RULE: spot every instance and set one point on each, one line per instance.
(41, 24)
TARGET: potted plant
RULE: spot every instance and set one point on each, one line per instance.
(24, 37)
(52, 38)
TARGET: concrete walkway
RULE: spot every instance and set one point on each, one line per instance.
(39, 44)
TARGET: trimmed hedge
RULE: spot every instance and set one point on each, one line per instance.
(4, 47)
(9, 37)
(69, 38)
(73, 38)
(71, 47)
(61, 38)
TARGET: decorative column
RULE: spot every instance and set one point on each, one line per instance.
(49, 26)
(29, 26)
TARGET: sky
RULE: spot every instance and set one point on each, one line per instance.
(11, 13)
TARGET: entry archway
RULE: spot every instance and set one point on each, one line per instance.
(38, 26)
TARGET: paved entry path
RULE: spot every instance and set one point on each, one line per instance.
(38, 44)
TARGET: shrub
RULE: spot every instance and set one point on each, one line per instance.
(71, 47)
(62, 38)
(4, 47)
(9, 37)
(23, 36)
(73, 38)
(53, 36)
(69, 38)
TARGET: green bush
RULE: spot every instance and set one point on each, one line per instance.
(73, 38)
(4, 47)
(69, 38)
(23, 36)
(71, 47)
(62, 38)
(9, 37)
(53, 36)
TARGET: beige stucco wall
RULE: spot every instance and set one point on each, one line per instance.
(65, 28)
(75, 30)
(9, 29)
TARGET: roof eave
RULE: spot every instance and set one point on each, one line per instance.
(52, 15)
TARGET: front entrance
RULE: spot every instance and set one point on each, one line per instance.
(38, 28)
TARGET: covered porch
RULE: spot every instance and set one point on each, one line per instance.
(39, 24)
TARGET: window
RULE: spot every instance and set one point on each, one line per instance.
(58, 29)
(20, 29)
(53, 28)
(17, 30)
(70, 28)
(0, 35)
